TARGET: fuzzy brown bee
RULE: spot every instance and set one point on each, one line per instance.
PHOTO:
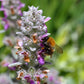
(50, 46)
(52, 42)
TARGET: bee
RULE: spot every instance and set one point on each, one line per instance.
(49, 46)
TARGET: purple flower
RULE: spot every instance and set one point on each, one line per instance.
(47, 19)
(42, 76)
(32, 82)
(41, 60)
(43, 36)
(21, 5)
(27, 77)
(6, 25)
(29, 80)
(45, 28)
(2, 8)
(12, 68)
(19, 8)
(6, 64)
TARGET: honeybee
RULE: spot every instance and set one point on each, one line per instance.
(49, 46)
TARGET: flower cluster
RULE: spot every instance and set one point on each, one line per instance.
(33, 45)
(11, 9)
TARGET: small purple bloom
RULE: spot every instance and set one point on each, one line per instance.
(12, 68)
(21, 5)
(43, 36)
(41, 60)
(6, 64)
(5, 15)
(6, 26)
(20, 13)
(32, 82)
(6, 23)
(45, 28)
(2, 8)
(42, 76)
(27, 77)
(41, 44)
(47, 19)
(19, 8)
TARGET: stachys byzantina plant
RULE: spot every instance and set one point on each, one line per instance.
(33, 45)
(11, 11)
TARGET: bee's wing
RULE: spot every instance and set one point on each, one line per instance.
(58, 49)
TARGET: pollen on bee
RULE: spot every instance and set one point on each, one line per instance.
(51, 41)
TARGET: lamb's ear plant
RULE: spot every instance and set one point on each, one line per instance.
(29, 43)
(11, 12)
(33, 45)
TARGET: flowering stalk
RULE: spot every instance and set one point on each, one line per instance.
(12, 12)
(33, 45)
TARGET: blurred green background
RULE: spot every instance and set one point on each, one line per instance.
(67, 28)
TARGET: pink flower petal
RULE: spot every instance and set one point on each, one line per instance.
(47, 19)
